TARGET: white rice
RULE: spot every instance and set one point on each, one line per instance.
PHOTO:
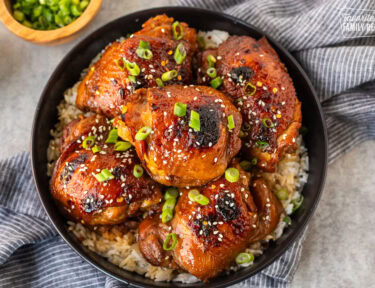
(122, 249)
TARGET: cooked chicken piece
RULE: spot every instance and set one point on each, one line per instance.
(108, 83)
(80, 195)
(174, 153)
(261, 88)
(161, 26)
(209, 237)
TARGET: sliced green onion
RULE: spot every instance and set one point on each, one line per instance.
(230, 122)
(144, 44)
(132, 79)
(246, 165)
(104, 175)
(211, 60)
(169, 204)
(144, 53)
(254, 161)
(173, 237)
(19, 15)
(216, 82)
(88, 142)
(179, 109)
(95, 149)
(133, 68)
(178, 32)
(201, 199)
(171, 192)
(195, 121)
(297, 203)
(267, 122)
(211, 72)
(121, 63)
(244, 258)
(287, 220)
(143, 133)
(195, 196)
(137, 171)
(192, 194)
(83, 4)
(262, 144)
(28, 24)
(180, 54)
(159, 82)
(112, 136)
(232, 175)
(250, 89)
(282, 194)
(75, 11)
(169, 75)
(122, 146)
(166, 216)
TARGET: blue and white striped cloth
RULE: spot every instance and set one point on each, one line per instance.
(341, 69)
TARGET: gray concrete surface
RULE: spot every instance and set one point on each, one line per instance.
(339, 250)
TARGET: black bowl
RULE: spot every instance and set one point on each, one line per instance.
(68, 72)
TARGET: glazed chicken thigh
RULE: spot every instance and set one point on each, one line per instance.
(125, 67)
(261, 88)
(209, 237)
(83, 191)
(177, 153)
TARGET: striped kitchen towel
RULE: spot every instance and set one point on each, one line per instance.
(339, 58)
(334, 41)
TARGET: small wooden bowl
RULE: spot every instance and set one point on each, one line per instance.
(48, 37)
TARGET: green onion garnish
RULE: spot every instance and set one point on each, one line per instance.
(168, 207)
(230, 122)
(287, 220)
(211, 60)
(144, 44)
(104, 175)
(173, 237)
(137, 171)
(133, 68)
(232, 175)
(177, 30)
(254, 161)
(195, 121)
(171, 192)
(180, 109)
(144, 53)
(216, 82)
(95, 149)
(112, 136)
(121, 63)
(262, 144)
(211, 72)
(297, 203)
(180, 54)
(166, 216)
(143, 133)
(88, 142)
(244, 258)
(267, 122)
(195, 196)
(19, 15)
(159, 82)
(132, 79)
(282, 194)
(250, 89)
(122, 146)
(169, 75)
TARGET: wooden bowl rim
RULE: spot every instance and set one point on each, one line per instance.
(45, 36)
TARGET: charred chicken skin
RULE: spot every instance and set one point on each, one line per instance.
(93, 201)
(211, 236)
(261, 88)
(175, 154)
(109, 81)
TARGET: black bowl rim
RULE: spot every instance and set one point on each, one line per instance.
(165, 9)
